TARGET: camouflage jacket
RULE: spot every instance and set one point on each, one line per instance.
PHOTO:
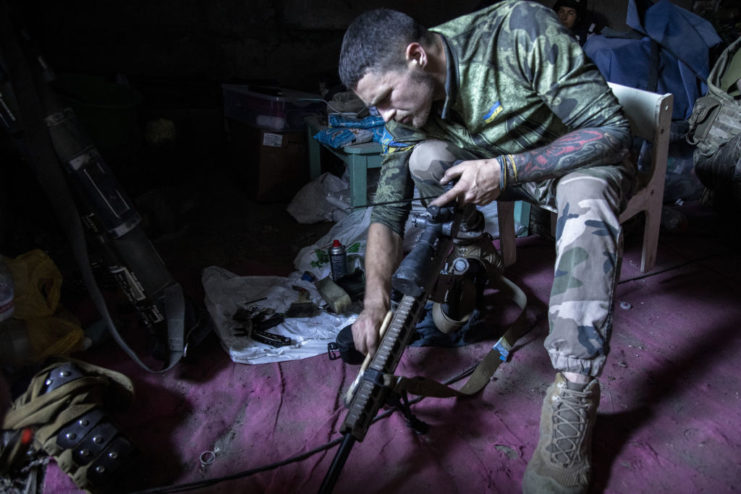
(516, 80)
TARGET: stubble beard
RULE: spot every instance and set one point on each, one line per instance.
(420, 118)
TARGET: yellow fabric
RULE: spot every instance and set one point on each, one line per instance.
(51, 330)
(52, 336)
(38, 284)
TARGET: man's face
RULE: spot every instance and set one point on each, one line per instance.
(405, 95)
(567, 16)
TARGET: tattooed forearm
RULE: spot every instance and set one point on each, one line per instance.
(583, 147)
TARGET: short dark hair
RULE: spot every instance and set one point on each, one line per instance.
(376, 41)
(579, 5)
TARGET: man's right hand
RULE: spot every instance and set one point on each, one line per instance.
(382, 256)
(477, 182)
(365, 330)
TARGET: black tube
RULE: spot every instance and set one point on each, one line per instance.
(411, 277)
(348, 440)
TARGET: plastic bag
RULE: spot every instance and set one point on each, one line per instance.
(50, 329)
(341, 137)
(226, 292)
(351, 231)
(321, 200)
(38, 284)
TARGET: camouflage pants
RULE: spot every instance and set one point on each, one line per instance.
(588, 249)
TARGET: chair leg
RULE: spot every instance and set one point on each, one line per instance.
(522, 215)
(506, 220)
(650, 237)
(357, 170)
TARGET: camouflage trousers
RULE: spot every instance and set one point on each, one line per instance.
(588, 249)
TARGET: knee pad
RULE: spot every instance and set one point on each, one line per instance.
(459, 288)
(429, 160)
(63, 414)
(459, 298)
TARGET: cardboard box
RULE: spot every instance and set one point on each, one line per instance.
(274, 165)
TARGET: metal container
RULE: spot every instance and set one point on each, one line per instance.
(338, 260)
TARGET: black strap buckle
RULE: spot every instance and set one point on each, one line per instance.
(333, 350)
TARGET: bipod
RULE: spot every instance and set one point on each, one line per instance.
(400, 401)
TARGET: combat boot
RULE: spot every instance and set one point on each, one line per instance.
(561, 462)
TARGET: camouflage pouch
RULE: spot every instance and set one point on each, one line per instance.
(716, 117)
(714, 121)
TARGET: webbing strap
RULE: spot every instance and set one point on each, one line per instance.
(424, 386)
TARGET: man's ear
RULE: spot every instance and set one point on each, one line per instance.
(416, 55)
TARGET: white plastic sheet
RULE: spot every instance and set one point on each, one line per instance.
(227, 292)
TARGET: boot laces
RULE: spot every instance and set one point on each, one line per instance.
(569, 426)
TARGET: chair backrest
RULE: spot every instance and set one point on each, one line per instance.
(650, 116)
(649, 113)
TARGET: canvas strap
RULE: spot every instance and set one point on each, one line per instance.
(482, 374)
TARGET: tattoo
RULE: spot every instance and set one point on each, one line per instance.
(577, 149)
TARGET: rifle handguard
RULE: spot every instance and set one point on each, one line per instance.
(364, 366)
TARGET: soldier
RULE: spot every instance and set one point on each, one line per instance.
(574, 16)
(507, 91)
(569, 12)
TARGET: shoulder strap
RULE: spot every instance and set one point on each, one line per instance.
(481, 375)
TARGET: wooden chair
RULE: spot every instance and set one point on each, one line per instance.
(650, 117)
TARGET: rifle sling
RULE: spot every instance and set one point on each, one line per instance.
(481, 375)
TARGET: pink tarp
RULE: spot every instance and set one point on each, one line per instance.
(670, 413)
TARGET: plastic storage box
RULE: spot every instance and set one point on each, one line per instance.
(272, 108)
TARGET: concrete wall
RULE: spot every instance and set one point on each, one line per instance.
(292, 42)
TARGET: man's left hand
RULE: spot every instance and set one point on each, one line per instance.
(477, 182)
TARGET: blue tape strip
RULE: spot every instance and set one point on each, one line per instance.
(502, 347)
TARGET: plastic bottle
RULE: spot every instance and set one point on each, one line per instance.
(15, 346)
(338, 260)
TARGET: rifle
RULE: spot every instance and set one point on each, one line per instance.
(415, 279)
